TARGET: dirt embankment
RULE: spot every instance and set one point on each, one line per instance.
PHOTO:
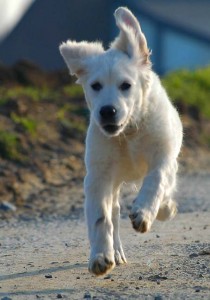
(43, 120)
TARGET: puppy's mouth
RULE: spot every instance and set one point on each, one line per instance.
(111, 129)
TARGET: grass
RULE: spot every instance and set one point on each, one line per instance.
(73, 128)
(9, 145)
(26, 123)
(191, 88)
(73, 90)
(33, 93)
(73, 119)
(70, 108)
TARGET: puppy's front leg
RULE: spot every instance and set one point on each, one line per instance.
(147, 203)
(118, 249)
(98, 207)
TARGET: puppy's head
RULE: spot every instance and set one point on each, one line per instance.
(113, 80)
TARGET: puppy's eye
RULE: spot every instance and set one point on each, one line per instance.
(125, 86)
(96, 86)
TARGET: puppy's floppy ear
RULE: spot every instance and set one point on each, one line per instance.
(131, 39)
(75, 55)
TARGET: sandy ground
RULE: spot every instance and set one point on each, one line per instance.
(42, 259)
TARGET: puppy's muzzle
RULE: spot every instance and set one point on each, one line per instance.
(108, 116)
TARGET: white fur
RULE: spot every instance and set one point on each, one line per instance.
(144, 148)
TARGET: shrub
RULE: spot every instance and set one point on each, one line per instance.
(191, 88)
(26, 123)
(9, 145)
(73, 90)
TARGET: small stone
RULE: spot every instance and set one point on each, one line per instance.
(59, 296)
(157, 236)
(77, 277)
(107, 277)
(48, 276)
(192, 255)
(158, 298)
(137, 288)
(157, 278)
(140, 277)
(205, 252)
(6, 206)
(197, 290)
(87, 296)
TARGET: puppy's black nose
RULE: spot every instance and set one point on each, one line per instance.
(108, 112)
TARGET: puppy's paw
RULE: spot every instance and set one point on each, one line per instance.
(141, 220)
(100, 264)
(119, 256)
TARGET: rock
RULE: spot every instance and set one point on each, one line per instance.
(87, 296)
(6, 206)
(158, 298)
(48, 276)
(157, 278)
(205, 252)
(192, 255)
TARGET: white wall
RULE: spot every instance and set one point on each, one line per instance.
(11, 12)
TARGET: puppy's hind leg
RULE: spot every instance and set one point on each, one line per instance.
(167, 210)
(118, 249)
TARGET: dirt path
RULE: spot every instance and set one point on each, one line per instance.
(48, 260)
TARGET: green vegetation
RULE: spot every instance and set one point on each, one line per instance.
(3, 101)
(27, 124)
(191, 88)
(29, 92)
(66, 108)
(73, 109)
(69, 116)
(73, 90)
(9, 145)
(73, 128)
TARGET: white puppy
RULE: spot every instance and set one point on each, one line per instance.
(135, 134)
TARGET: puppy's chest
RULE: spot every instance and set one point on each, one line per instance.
(132, 162)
